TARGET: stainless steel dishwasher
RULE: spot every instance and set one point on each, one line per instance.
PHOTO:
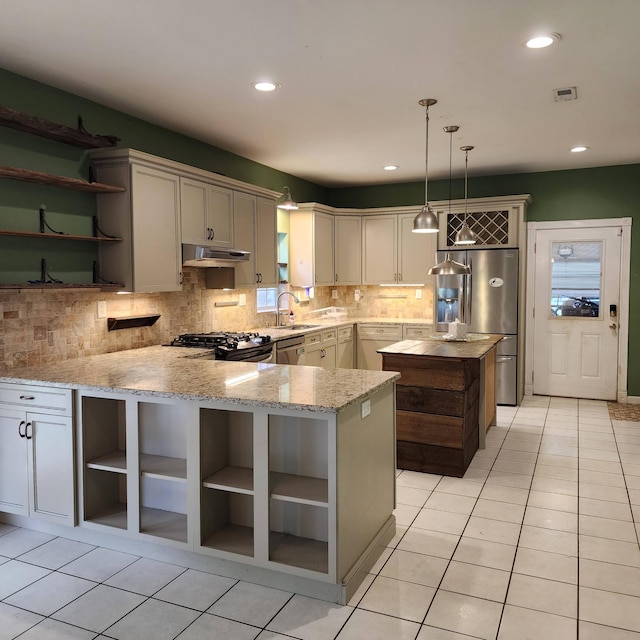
(290, 350)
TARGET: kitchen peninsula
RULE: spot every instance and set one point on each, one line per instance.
(445, 400)
(278, 474)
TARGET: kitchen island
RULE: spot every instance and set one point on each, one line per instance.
(445, 400)
(280, 475)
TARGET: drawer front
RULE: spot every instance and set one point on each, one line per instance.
(383, 331)
(329, 335)
(417, 332)
(345, 333)
(313, 338)
(33, 397)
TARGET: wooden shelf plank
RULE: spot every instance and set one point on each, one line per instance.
(115, 461)
(299, 489)
(163, 467)
(56, 236)
(75, 184)
(53, 130)
(62, 285)
(236, 479)
(232, 539)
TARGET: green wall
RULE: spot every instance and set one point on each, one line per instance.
(604, 192)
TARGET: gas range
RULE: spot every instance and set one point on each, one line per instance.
(228, 345)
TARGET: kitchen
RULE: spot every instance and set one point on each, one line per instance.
(47, 326)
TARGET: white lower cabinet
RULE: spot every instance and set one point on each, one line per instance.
(36, 453)
(251, 485)
(320, 349)
(344, 349)
(372, 337)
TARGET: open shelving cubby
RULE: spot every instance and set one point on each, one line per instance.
(162, 457)
(104, 458)
(227, 490)
(298, 492)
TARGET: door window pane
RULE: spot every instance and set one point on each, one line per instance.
(576, 269)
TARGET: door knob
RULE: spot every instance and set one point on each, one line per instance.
(613, 325)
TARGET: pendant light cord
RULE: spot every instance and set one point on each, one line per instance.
(450, 163)
(466, 174)
(426, 160)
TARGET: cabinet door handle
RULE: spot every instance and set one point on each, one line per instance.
(213, 233)
(27, 397)
(22, 423)
(399, 277)
(181, 277)
(29, 424)
(323, 353)
(336, 277)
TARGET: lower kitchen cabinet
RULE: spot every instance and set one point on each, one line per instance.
(372, 337)
(320, 349)
(36, 453)
(344, 348)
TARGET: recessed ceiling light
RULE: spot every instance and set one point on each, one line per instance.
(390, 167)
(578, 148)
(542, 41)
(266, 86)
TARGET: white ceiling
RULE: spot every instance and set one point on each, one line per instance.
(352, 72)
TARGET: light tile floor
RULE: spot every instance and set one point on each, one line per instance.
(539, 540)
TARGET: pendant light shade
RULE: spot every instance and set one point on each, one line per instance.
(427, 220)
(287, 201)
(449, 267)
(465, 236)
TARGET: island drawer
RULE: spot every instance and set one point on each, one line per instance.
(417, 331)
(384, 331)
(35, 397)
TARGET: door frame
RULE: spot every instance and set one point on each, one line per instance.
(623, 307)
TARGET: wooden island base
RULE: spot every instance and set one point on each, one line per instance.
(444, 402)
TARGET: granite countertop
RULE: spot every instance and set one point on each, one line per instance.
(444, 348)
(177, 373)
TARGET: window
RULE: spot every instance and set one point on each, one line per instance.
(575, 279)
(266, 299)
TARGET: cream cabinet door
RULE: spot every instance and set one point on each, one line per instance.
(157, 251)
(219, 221)
(416, 252)
(14, 494)
(266, 242)
(244, 219)
(379, 249)
(323, 248)
(193, 211)
(348, 254)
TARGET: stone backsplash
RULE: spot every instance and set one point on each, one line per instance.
(43, 326)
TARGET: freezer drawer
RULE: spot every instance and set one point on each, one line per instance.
(506, 379)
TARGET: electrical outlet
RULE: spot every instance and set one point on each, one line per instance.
(334, 294)
(418, 294)
(365, 409)
(101, 309)
(242, 300)
(356, 295)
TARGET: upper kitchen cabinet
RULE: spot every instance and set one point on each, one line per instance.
(311, 248)
(392, 253)
(206, 212)
(347, 248)
(255, 231)
(147, 218)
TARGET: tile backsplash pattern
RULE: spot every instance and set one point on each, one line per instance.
(43, 326)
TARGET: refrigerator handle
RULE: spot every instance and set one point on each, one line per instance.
(467, 294)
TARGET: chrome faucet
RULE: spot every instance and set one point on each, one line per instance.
(295, 299)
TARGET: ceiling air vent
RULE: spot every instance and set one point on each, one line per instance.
(566, 93)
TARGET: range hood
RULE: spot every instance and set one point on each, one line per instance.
(204, 257)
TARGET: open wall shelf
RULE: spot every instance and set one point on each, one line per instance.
(53, 130)
(75, 184)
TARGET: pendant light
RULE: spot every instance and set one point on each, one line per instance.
(465, 236)
(449, 267)
(427, 220)
(287, 202)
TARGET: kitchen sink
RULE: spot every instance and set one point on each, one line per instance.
(294, 327)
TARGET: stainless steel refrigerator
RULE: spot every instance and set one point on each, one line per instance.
(491, 294)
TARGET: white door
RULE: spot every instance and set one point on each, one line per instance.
(576, 308)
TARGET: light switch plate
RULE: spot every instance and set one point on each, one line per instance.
(418, 294)
(242, 300)
(334, 294)
(101, 309)
(365, 408)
